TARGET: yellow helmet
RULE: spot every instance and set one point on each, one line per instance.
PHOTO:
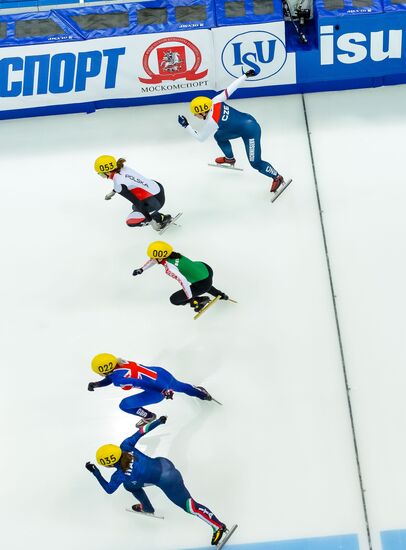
(108, 455)
(103, 363)
(200, 104)
(158, 250)
(105, 163)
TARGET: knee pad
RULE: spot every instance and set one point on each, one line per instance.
(136, 219)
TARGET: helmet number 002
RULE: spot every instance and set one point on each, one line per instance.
(107, 460)
(105, 368)
(160, 253)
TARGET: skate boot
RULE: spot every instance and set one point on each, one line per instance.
(218, 534)
(225, 160)
(207, 396)
(199, 302)
(222, 295)
(144, 421)
(137, 508)
(162, 223)
(277, 182)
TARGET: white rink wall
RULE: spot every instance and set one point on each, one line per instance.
(278, 457)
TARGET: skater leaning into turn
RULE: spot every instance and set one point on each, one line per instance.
(147, 196)
(158, 384)
(134, 470)
(195, 278)
(226, 123)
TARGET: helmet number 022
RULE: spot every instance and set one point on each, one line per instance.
(105, 368)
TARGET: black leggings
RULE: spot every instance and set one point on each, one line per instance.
(198, 288)
(149, 207)
(153, 204)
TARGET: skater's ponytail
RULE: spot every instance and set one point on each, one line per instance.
(120, 164)
(175, 256)
(125, 461)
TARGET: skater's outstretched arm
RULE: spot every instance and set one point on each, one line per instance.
(106, 381)
(109, 486)
(129, 443)
(210, 128)
(225, 94)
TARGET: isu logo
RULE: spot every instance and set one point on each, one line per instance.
(172, 58)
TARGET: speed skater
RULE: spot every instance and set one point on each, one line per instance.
(226, 123)
(146, 195)
(195, 277)
(158, 384)
(134, 470)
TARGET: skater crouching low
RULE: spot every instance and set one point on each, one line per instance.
(147, 196)
(134, 470)
(195, 277)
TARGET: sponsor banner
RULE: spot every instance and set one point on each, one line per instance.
(355, 47)
(110, 68)
(259, 47)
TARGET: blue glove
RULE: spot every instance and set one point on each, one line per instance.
(183, 121)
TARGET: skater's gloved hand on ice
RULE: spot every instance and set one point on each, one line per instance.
(91, 386)
(183, 121)
(250, 72)
(91, 467)
(138, 271)
(162, 419)
(168, 394)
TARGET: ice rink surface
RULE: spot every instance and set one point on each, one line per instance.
(279, 457)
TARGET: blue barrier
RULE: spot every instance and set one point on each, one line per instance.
(329, 8)
(394, 5)
(105, 21)
(199, 50)
(242, 12)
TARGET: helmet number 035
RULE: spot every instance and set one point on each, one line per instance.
(108, 460)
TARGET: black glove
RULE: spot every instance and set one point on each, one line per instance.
(168, 394)
(183, 121)
(138, 271)
(91, 386)
(91, 467)
(250, 72)
(162, 419)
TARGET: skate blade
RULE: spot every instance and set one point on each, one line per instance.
(162, 231)
(228, 167)
(218, 402)
(145, 514)
(281, 189)
(232, 301)
(206, 307)
(226, 537)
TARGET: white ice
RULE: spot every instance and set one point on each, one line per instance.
(278, 457)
